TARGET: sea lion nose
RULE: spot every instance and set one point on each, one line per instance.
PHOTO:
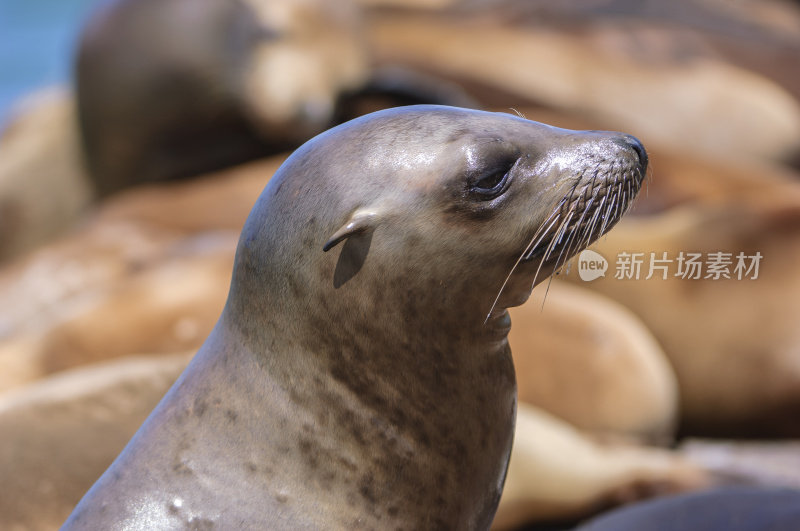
(633, 143)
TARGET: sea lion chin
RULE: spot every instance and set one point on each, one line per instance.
(354, 379)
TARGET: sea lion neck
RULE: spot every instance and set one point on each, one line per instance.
(408, 340)
(391, 360)
(404, 412)
(378, 337)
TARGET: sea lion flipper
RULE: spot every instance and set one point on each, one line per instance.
(360, 221)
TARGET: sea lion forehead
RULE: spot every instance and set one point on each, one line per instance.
(440, 123)
(408, 138)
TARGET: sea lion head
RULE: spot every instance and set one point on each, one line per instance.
(365, 274)
(429, 209)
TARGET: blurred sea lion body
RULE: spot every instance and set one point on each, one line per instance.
(174, 88)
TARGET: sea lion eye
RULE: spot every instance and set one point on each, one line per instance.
(492, 183)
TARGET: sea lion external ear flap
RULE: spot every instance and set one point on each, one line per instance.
(360, 221)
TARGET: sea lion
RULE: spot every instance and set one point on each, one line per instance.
(175, 88)
(148, 267)
(558, 473)
(58, 434)
(591, 362)
(44, 188)
(580, 56)
(347, 389)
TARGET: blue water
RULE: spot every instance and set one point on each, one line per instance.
(37, 43)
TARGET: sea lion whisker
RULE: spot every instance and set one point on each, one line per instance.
(600, 210)
(528, 252)
(538, 270)
(544, 259)
(604, 220)
(547, 290)
(630, 193)
(554, 241)
(573, 239)
(590, 229)
(625, 204)
(563, 228)
(586, 209)
(547, 253)
(628, 189)
(607, 214)
(567, 247)
(648, 178)
(611, 217)
(578, 180)
(610, 211)
(618, 202)
(613, 209)
(582, 237)
(592, 225)
(557, 243)
(531, 245)
(586, 237)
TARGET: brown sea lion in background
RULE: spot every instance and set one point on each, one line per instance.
(612, 61)
(734, 344)
(342, 410)
(556, 473)
(57, 435)
(119, 285)
(105, 302)
(175, 88)
(43, 185)
(591, 362)
(169, 89)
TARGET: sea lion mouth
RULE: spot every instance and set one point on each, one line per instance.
(595, 203)
(590, 209)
